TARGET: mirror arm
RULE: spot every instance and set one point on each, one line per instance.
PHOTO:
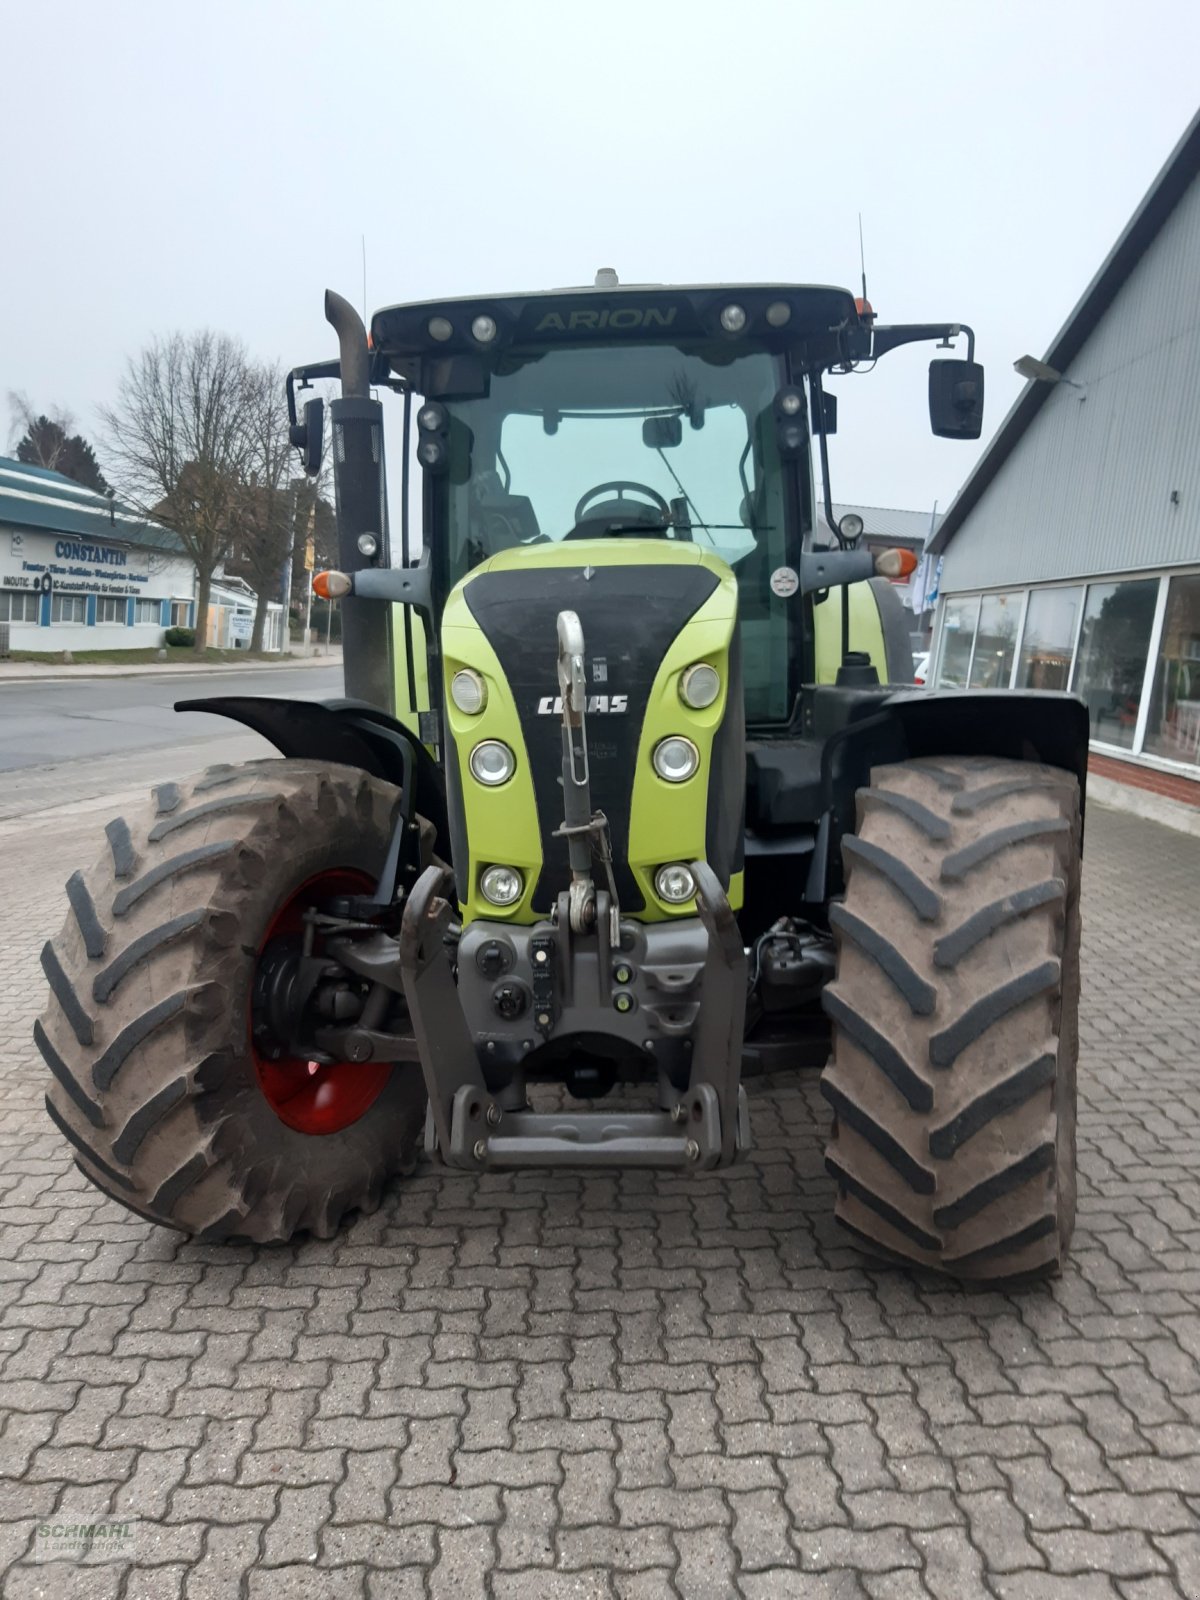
(403, 586)
(306, 375)
(830, 569)
(885, 339)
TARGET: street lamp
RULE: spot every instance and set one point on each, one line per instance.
(1041, 372)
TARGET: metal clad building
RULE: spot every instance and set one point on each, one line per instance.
(1071, 555)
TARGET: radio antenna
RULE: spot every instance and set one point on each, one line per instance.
(862, 257)
(364, 267)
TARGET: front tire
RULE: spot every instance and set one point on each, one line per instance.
(955, 1013)
(154, 1080)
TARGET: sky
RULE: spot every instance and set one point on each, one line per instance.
(174, 167)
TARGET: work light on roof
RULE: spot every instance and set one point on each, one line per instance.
(484, 329)
(441, 329)
(733, 319)
(779, 314)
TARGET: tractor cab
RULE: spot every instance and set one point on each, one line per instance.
(683, 415)
(627, 415)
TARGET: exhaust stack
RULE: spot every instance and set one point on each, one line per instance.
(360, 492)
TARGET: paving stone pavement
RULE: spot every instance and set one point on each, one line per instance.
(630, 1386)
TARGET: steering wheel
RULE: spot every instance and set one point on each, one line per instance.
(619, 507)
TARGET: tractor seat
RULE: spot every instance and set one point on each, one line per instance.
(783, 783)
(503, 521)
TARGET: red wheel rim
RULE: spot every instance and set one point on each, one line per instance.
(315, 1097)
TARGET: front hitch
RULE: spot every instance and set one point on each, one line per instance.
(585, 830)
(705, 1125)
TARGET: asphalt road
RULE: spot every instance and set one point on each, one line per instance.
(65, 740)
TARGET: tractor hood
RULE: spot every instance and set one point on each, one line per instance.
(648, 610)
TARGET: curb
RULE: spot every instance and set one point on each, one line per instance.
(156, 669)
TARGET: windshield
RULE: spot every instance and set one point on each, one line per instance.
(639, 440)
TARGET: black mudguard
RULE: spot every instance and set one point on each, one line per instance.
(1026, 725)
(861, 729)
(348, 732)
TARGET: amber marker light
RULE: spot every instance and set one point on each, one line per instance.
(895, 563)
(331, 585)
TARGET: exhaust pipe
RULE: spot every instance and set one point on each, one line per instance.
(361, 499)
(352, 343)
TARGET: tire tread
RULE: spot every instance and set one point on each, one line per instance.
(991, 960)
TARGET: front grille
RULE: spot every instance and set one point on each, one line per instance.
(630, 615)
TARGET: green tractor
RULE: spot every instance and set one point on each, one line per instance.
(631, 777)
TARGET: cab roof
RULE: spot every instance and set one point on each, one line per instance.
(779, 315)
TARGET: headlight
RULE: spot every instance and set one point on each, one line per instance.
(432, 418)
(468, 691)
(700, 686)
(502, 886)
(675, 759)
(674, 883)
(492, 762)
(368, 545)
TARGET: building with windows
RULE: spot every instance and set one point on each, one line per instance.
(81, 571)
(1071, 555)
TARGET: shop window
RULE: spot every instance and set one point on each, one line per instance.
(18, 605)
(958, 635)
(1173, 726)
(996, 641)
(1050, 625)
(110, 608)
(147, 611)
(1110, 667)
(68, 608)
(179, 613)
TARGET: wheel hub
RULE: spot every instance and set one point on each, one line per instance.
(306, 1090)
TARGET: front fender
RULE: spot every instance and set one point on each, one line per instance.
(350, 733)
(1025, 724)
(862, 729)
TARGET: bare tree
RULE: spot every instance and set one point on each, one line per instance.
(267, 507)
(180, 443)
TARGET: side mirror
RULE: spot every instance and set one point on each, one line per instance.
(956, 399)
(662, 433)
(309, 436)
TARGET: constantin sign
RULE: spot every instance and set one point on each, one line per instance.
(82, 566)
